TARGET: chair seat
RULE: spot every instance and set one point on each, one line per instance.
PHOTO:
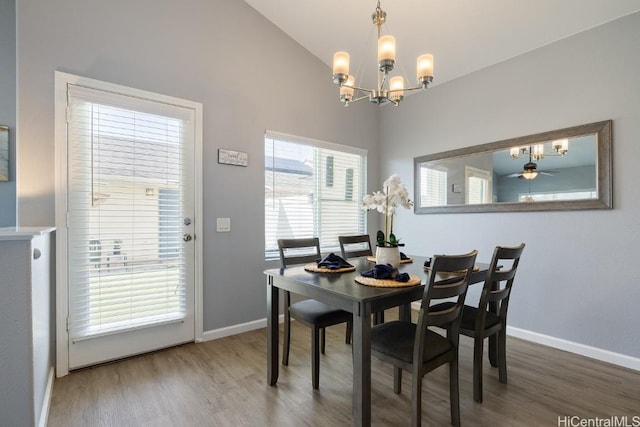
(395, 339)
(318, 313)
(469, 316)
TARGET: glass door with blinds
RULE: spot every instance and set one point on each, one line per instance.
(129, 227)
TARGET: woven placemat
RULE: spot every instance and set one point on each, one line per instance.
(387, 283)
(313, 268)
(371, 258)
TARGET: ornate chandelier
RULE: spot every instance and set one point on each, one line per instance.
(388, 89)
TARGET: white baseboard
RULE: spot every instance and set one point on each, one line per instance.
(46, 402)
(237, 329)
(576, 348)
(570, 346)
(559, 343)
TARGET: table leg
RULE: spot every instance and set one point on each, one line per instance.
(404, 312)
(361, 347)
(273, 305)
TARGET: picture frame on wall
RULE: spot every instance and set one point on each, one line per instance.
(4, 153)
(232, 157)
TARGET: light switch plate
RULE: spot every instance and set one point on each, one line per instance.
(223, 225)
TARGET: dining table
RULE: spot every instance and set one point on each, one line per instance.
(342, 291)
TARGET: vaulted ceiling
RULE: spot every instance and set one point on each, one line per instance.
(463, 35)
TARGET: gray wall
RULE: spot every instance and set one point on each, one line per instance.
(8, 106)
(249, 76)
(578, 280)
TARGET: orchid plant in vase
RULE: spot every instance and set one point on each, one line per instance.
(393, 195)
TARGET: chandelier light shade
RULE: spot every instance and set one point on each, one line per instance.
(538, 152)
(560, 148)
(341, 65)
(346, 90)
(388, 89)
(425, 69)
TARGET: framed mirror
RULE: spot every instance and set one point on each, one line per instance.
(564, 169)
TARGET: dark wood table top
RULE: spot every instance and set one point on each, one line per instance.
(343, 287)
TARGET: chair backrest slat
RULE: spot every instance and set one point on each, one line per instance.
(355, 246)
(441, 286)
(498, 295)
(298, 251)
(443, 317)
(499, 281)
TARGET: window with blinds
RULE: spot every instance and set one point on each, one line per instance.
(312, 189)
(433, 186)
(478, 188)
(125, 192)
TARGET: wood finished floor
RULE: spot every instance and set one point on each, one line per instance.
(223, 383)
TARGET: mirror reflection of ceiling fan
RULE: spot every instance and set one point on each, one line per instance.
(530, 169)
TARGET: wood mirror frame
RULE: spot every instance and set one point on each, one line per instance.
(600, 190)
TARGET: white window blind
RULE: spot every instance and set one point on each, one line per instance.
(126, 268)
(312, 189)
(478, 188)
(433, 187)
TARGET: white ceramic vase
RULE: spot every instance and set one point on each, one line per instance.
(388, 255)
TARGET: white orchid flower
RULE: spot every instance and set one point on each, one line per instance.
(393, 195)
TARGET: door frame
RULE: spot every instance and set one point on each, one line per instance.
(61, 287)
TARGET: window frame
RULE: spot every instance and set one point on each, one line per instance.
(357, 189)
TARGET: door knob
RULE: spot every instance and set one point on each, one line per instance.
(187, 237)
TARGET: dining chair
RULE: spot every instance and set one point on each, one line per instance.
(415, 347)
(358, 246)
(490, 317)
(315, 314)
(355, 246)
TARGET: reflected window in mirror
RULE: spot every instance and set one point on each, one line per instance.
(478, 188)
(433, 188)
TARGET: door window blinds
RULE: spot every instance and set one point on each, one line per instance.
(312, 189)
(125, 165)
